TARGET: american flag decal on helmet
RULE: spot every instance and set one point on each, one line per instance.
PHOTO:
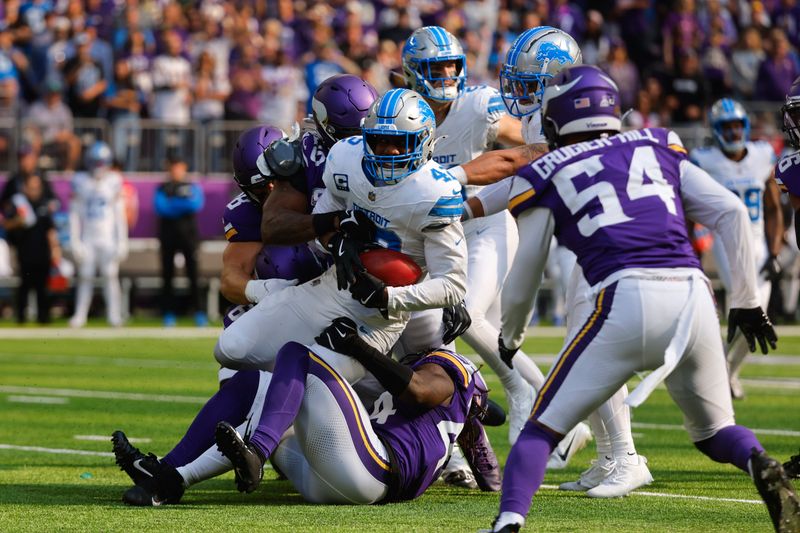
(581, 103)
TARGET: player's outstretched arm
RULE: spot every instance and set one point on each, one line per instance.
(285, 219)
(536, 227)
(493, 166)
(238, 263)
(427, 385)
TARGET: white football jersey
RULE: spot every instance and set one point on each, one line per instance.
(428, 199)
(96, 201)
(746, 178)
(469, 128)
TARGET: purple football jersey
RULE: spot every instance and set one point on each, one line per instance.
(422, 440)
(615, 201)
(787, 173)
(241, 220)
(314, 156)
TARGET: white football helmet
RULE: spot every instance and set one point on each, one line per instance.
(425, 47)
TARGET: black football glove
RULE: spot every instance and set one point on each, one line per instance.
(771, 269)
(357, 225)
(506, 354)
(345, 256)
(456, 322)
(340, 336)
(370, 291)
(755, 325)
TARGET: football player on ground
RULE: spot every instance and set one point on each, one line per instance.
(338, 452)
(745, 168)
(469, 119)
(618, 469)
(386, 176)
(627, 228)
(98, 233)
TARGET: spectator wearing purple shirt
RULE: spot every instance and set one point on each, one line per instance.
(624, 73)
(778, 70)
(681, 31)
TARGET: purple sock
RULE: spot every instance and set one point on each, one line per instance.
(284, 396)
(231, 404)
(525, 468)
(732, 444)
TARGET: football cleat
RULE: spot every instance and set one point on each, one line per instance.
(792, 467)
(139, 467)
(462, 478)
(628, 474)
(776, 491)
(600, 469)
(520, 405)
(572, 443)
(164, 486)
(248, 464)
(510, 526)
(480, 456)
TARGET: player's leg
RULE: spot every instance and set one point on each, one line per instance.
(85, 288)
(593, 364)
(108, 267)
(194, 458)
(699, 386)
(491, 244)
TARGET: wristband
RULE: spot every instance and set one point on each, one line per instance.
(459, 174)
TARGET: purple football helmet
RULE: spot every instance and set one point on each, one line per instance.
(580, 99)
(791, 114)
(288, 262)
(250, 170)
(339, 104)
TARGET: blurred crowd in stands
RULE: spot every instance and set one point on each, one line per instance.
(182, 62)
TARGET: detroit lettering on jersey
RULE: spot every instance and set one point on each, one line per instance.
(787, 173)
(423, 442)
(615, 201)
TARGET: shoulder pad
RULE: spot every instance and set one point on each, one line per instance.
(284, 158)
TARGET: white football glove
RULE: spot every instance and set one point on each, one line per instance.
(257, 289)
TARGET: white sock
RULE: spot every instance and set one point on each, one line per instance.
(616, 417)
(601, 438)
(210, 464)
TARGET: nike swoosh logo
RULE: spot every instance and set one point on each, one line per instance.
(459, 241)
(341, 334)
(563, 456)
(480, 231)
(341, 250)
(456, 192)
(138, 467)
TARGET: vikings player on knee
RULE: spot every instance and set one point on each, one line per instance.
(339, 453)
(629, 235)
(745, 168)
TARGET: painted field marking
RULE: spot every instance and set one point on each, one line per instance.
(679, 496)
(106, 395)
(38, 399)
(677, 427)
(107, 438)
(59, 451)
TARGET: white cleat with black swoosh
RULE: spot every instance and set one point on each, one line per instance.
(572, 443)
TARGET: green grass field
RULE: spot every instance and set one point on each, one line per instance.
(152, 388)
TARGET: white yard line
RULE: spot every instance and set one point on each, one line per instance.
(59, 451)
(107, 395)
(107, 438)
(89, 360)
(38, 399)
(678, 427)
(679, 496)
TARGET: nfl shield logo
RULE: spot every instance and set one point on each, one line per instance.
(371, 196)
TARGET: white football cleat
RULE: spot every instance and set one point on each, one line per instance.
(572, 443)
(630, 472)
(601, 468)
(520, 405)
(77, 322)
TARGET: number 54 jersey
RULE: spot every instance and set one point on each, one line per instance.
(613, 201)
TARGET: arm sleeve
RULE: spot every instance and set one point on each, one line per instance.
(446, 284)
(536, 227)
(495, 197)
(712, 205)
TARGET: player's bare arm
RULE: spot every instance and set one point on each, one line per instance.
(238, 263)
(430, 386)
(509, 131)
(773, 217)
(498, 164)
(285, 219)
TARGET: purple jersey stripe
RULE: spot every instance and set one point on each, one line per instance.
(578, 345)
(376, 465)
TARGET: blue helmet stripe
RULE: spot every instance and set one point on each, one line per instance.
(386, 111)
(523, 39)
(439, 36)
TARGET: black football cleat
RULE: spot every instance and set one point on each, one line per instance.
(792, 467)
(776, 491)
(248, 465)
(165, 487)
(508, 528)
(129, 458)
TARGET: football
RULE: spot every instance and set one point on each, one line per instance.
(394, 268)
